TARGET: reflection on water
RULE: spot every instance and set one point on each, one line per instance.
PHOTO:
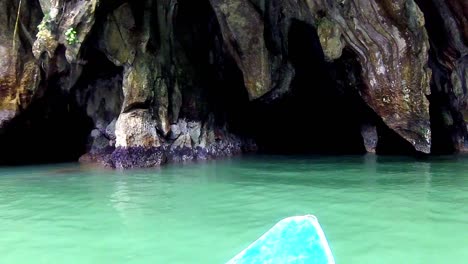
(120, 198)
(373, 209)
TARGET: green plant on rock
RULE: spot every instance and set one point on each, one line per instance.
(44, 23)
(70, 36)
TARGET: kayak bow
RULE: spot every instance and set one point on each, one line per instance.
(297, 239)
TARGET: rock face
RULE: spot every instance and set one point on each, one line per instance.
(173, 81)
(447, 26)
(19, 71)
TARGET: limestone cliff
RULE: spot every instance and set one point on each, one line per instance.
(142, 83)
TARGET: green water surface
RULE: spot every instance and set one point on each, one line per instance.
(372, 209)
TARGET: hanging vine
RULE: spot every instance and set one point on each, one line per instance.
(15, 32)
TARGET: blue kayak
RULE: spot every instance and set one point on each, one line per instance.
(297, 239)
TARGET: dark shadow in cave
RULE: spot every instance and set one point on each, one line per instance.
(54, 128)
(391, 143)
(322, 114)
(441, 107)
(218, 86)
(194, 41)
(98, 92)
(319, 114)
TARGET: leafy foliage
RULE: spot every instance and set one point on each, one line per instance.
(70, 36)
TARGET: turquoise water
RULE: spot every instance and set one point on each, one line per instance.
(373, 210)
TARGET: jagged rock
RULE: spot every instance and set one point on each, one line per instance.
(118, 40)
(194, 131)
(138, 83)
(370, 137)
(181, 150)
(136, 129)
(183, 126)
(137, 157)
(60, 16)
(19, 73)
(175, 131)
(183, 141)
(447, 26)
(388, 38)
(6, 115)
(242, 27)
(207, 136)
(102, 100)
(330, 37)
(110, 130)
(170, 63)
(99, 142)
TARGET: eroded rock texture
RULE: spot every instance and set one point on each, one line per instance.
(158, 81)
(388, 37)
(447, 26)
(19, 71)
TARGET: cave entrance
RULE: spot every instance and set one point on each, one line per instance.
(56, 126)
(322, 113)
(217, 85)
(53, 129)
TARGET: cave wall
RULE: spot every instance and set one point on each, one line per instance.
(168, 81)
(447, 27)
(19, 71)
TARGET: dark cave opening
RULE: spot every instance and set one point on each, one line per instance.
(442, 135)
(55, 127)
(99, 94)
(97, 66)
(447, 124)
(390, 143)
(52, 129)
(217, 87)
(195, 31)
(321, 114)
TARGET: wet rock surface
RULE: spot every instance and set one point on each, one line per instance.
(175, 81)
